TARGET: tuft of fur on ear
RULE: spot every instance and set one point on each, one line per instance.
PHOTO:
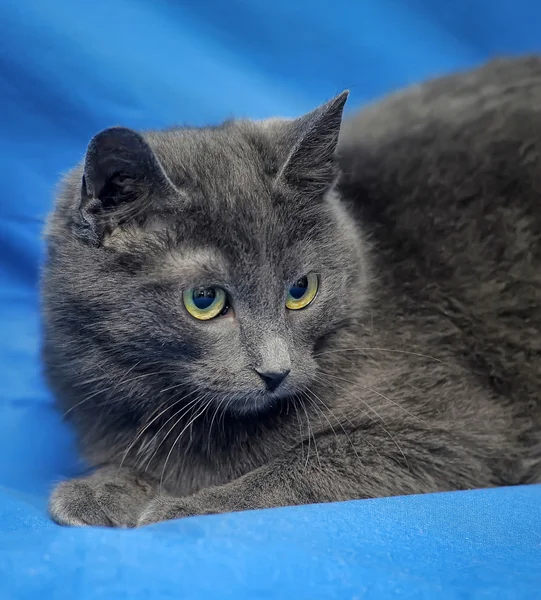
(310, 165)
(121, 177)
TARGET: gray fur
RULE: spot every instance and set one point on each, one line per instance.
(416, 368)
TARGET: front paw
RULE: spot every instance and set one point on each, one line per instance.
(166, 508)
(99, 502)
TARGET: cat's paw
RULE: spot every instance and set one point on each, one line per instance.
(98, 502)
(166, 508)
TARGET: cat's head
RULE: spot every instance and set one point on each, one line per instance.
(214, 261)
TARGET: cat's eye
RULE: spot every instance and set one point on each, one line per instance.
(205, 303)
(302, 292)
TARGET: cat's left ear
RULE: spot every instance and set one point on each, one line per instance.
(310, 164)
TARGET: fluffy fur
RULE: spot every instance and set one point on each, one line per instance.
(417, 368)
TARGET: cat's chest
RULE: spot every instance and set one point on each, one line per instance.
(187, 469)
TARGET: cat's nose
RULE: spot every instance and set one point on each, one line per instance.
(272, 379)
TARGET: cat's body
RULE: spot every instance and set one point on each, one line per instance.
(416, 367)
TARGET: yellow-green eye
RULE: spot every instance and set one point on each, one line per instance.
(205, 303)
(302, 292)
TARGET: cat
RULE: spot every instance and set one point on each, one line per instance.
(292, 311)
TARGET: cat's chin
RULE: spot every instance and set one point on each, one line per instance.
(253, 405)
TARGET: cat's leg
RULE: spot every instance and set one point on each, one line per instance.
(365, 464)
(109, 497)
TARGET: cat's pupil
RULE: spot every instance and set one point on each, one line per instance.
(298, 289)
(204, 297)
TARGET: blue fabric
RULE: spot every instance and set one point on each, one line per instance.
(68, 69)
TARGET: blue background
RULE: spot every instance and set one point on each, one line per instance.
(69, 68)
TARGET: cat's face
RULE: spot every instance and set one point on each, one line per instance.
(218, 258)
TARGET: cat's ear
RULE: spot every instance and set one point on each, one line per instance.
(121, 177)
(310, 164)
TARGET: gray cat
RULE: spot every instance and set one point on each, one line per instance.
(269, 313)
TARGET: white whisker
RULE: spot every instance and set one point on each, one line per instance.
(179, 414)
(318, 399)
(369, 389)
(310, 433)
(150, 422)
(177, 439)
(378, 415)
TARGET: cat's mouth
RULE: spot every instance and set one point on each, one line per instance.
(253, 397)
(259, 402)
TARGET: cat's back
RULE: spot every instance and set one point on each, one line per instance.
(450, 171)
(502, 85)
(447, 178)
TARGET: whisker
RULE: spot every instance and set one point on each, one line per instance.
(177, 439)
(451, 365)
(369, 389)
(296, 401)
(311, 392)
(313, 399)
(310, 432)
(219, 405)
(364, 402)
(106, 390)
(353, 425)
(123, 378)
(150, 422)
(376, 412)
(368, 349)
(86, 399)
(179, 414)
(356, 427)
(224, 412)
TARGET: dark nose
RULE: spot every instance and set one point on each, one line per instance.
(273, 379)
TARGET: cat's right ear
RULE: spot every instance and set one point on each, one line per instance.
(121, 177)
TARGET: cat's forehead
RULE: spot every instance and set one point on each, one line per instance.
(230, 264)
(246, 236)
(227, 186)
(221, 163)
(230, 196)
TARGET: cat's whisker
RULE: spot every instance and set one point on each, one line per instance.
(90, 380)
(150, 422)
(374, 349)
(319, 411)
(308, 438)
(366, 413)
(123, 381)
(179, 436)
(318, 399)
(383, 427)
(313, 401)
(296, 401)
(130, 370)
(454, 366)
(219, 405)
(173, 387)
(347, 419)
(377, 393)
(137, 378)
(224, 412)
(310, 433)
(178, 415)
(106, 390)
(88, 398)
